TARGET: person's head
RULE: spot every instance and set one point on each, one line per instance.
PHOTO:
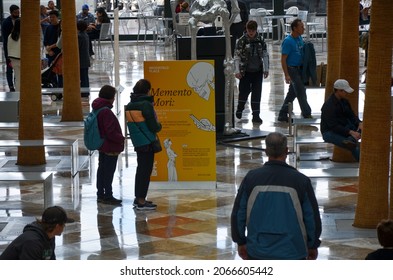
(184, 5)
(143, 86)
(167, 143)
(43, 10)
(81, 25)
(276, 146)
(107, 92)
(297, 27)
(251, 28)
(385, 233)
(342, 88)
(53, 220)
(14, 11)
(54, 17)
(51, 5)
(85, 9)
(100, 11)
(16, 30)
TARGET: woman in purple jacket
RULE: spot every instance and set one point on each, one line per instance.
(110, 130)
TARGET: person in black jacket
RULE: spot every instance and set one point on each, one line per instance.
(339, 124)
(84, 57)
(6, 29)
(238, 27)
(37, 242)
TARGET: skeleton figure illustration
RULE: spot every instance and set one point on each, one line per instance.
(171, 165)
(203, 124)
(206, 11)
(201, 79)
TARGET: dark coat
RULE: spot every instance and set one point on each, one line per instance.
(32, 244)
(109, 127)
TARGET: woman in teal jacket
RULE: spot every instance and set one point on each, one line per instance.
(142, 125)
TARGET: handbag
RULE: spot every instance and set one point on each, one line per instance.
(155, 144)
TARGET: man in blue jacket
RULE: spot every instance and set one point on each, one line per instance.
(277, 208)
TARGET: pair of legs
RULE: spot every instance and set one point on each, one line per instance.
(16, 65)
(93, 34)
(105, 172)
(145, 160)
(339, 140)
(84, 77)
(251, 82)
(10, 75)
(296, 90)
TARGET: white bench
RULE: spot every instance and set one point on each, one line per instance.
(44, 177)
(74, 154)
(333, 172)
(15, 125)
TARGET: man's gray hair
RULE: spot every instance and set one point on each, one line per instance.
(276, 145)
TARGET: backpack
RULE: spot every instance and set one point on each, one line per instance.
(91, 136)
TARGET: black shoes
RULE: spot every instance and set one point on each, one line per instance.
(146, 206)
(283, 118)
(135, 203)
(257, 120)
(350, 143)
(109, 200)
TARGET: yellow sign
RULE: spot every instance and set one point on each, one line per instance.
(184, 100)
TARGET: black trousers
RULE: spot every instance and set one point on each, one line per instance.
(145, 162)
(251, 82)
(105, 172)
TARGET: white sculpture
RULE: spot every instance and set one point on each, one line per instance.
(206, 11)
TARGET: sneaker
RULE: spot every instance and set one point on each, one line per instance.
(100, 198)
(350, 144)
(135, 203)
(257, 119)
(282, 118)
(308, 117)
(111, 201)
(146, 206)
(239, 114)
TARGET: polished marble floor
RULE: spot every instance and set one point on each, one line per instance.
(188, 224)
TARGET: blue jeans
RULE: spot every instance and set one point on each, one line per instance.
(337, 139)
(296, 90)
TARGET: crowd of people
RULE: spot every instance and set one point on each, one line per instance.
(275, 214)
(88, 29)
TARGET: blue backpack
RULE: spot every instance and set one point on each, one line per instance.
(92, 137)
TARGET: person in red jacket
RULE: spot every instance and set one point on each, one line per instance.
(110, 130)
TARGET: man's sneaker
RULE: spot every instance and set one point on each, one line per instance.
(111, 201)
(350, 144)
(146, 206)
(135, 203)
(283, 118)
(100, 198)
(257, 119)
(239, 114)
